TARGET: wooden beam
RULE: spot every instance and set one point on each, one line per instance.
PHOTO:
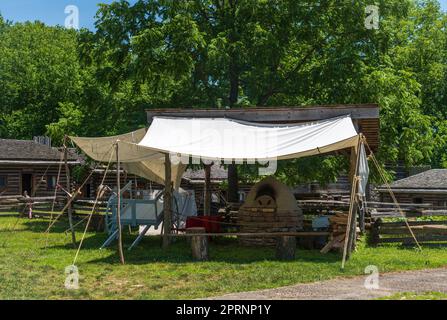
(277, 114)
(167, 203)
(118, 205)
(253, 234)
(352, 217)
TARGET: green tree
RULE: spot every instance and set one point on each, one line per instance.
(253, 52)
(38, 70)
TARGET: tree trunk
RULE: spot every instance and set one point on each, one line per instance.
(207, 200)
(233, 184)
(233, 73)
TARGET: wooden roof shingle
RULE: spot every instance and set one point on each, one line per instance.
(218, 172)
(430, 179)
(28, 150)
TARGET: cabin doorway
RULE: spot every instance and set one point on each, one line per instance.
(27, 183)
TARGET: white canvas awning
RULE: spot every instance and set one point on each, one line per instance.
(135, 160)
(142, 153)
(221, 138)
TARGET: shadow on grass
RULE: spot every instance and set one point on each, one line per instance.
(226, 250)
(38, 225)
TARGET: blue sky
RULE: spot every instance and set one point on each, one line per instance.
(52, 11)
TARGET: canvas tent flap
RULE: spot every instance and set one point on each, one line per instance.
(136, 160)
(102, 148)
(222, 138)
(154, 170)
(363, 170)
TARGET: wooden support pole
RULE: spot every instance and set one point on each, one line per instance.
(167, 203)
(118, 205)
(69, 191)
(207, 196)
(352, 218)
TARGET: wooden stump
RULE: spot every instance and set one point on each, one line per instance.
(194, 230)
(199, 244)
(285, 248)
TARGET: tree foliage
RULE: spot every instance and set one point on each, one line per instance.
(233, 53)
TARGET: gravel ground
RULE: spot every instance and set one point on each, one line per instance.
(353, 288)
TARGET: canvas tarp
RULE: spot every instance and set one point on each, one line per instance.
(135, 160)
(219, 139)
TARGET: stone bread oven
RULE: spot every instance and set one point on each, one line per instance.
(269, 207)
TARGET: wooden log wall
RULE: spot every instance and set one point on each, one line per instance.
(427, 232)
(435, 200)
(13, 174)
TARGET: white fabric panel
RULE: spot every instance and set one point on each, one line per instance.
(363, 171)
(221, 138)
(142, 211)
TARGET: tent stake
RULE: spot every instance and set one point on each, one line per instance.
(69, 208)
(118, 206)
(167, 203)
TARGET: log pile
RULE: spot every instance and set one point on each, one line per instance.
(338, 225)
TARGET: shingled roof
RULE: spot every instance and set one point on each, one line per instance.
(217, 173)
(430, 179)
(29, 150)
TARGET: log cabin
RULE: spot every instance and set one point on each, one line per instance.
(32, 166)
(428, 187)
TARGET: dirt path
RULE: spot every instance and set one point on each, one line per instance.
(353, 288)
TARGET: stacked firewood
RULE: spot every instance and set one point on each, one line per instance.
(338, 225)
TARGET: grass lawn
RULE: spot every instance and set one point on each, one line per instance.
(29, 270)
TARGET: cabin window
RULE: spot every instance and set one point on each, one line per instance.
(418, 200)
(3, 182)
(51, 182)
